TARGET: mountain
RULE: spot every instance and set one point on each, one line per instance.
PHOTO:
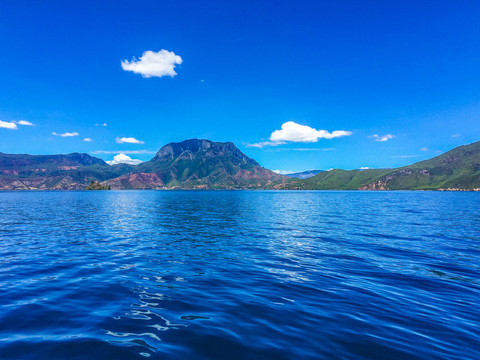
(26, 162)
(198, 164)
(204, 164)
(304, 174)
(457, 169)
(61, 172)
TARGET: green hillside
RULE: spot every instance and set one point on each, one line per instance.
(343, 179)
(458, 168)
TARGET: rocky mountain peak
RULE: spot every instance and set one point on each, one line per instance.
(175, 149)
(202, 147)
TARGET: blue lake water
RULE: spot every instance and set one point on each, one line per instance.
(239, 275)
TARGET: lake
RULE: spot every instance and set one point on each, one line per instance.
(239, 275)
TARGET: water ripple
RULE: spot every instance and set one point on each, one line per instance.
(243, 274)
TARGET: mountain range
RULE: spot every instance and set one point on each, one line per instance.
(190, 164)
(304, 174)
(204, 164)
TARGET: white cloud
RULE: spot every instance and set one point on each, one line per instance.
(293, 132)
(8, 125)
(455, 135)
(13, 124)
(311, 149)
(284, 172)
(88, 139)
(67, 134)
(295, 149)
(154, 64)
(424, 149)
(123, 159)
(266, 143)
(24, 122)
(129, 140)
(123, 152)
(365, 168)
(382, 138)
(104, 124)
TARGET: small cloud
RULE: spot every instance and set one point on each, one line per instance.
(13, 124)
(67, 134)
(365, 168)
(123, 152)
(123, 159)
(382, 138)
(311, 149)
(24, 122)
(129, 140)
(455, 135)
(283, 172)
(154, 64)
(202, 81)
(88, 140)
(424, 149)
(293, 132)
(299, 149)
(404, 156)
(8, 125)
(266, 143)
(104, 124)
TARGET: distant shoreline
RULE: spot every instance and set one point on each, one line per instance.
(214, 190)
(201, 164)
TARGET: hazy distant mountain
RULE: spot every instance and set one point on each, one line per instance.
(456, 169)
(25, 161)
(198, 164)
(70, 171)
(304, 174)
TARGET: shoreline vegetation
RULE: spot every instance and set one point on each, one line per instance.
(95, 185)
(198, 164)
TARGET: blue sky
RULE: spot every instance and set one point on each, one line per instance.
(408, 69)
